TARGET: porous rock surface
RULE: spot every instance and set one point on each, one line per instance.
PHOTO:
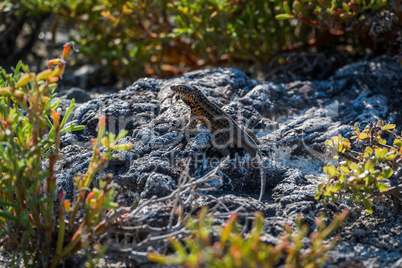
(292, 121)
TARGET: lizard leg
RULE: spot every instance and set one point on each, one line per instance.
(185, 132)
(188, 129)
(220, 142)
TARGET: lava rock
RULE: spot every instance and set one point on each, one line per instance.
(291, 120)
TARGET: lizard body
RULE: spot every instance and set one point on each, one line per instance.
(225, 130)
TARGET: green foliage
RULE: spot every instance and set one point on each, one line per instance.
(362, 175)
(238, 29)
(30, 131)
(131, 37)
(163, 37)
(234, 249)
(335, 16)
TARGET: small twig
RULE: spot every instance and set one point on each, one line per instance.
(218, 202)
(188, 189)
(151, 238)
(390, 133)
(384, 145)
(355, 153)
(178, 199)
(348, 157)
(396, 190)
(150, 228)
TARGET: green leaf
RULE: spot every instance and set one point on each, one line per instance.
(382, 187)
(111, 136)
(52, 86)
(328, 143)
(9, 216)
(122, 134)
(398, 143)
(357, 129)
(346, 7)
(390, 155)
(367, 203)
(376, 173)
(330, 170)
(123, 147)
(337, 187)
(162, 259)
(382, 141)
(286, 7)
(363, 135)
(369, 166)
(341, 147)
(17, 68)
(111, 205)
(386, 173)
(52, 134)
(369, 180)
(72, 128)
(283, 16)
(178, 247)
(336, 139)
(379, 5)
(9, 189)
(386, 127)
(9, 204)
(344, 169)
(68, 112)
(353, 166)
(105, 142)
(40, 201)
(380, 152)
(48, 122)
(320, 187)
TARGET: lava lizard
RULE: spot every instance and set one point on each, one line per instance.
(225, 130)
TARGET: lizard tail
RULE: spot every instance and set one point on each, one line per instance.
(262, 174)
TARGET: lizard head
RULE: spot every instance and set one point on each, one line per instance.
(190, 95)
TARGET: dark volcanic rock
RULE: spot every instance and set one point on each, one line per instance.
(76, 93)
(292, 120)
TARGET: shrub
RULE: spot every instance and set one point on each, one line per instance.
(227, 246)
(366, 22)
(336, 16)
(34, 218)
(134, 38)
(363, 175)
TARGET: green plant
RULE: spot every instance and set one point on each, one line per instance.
(134, 38)
(362, 174)
(366, 22)
(30, 131)
(335, 16)
(227, 246)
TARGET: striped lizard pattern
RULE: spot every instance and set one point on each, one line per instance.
(226, 132)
